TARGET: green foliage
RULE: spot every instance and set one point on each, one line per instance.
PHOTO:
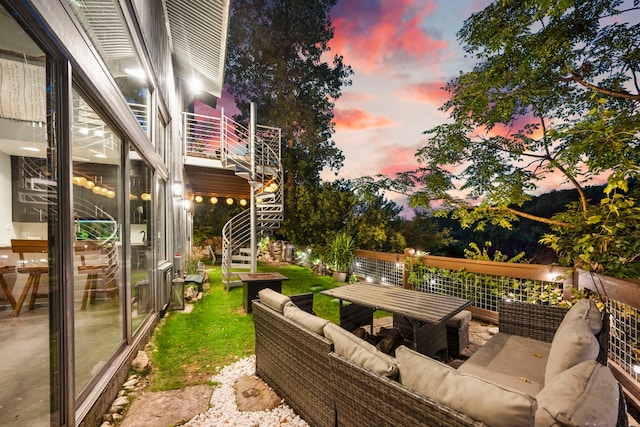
(554, 92)
(278, 56)
(332, 206)
(483, 254)
(209, 219)
(339, 251)
(607, 239)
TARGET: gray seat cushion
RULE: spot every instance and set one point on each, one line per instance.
(511, 360)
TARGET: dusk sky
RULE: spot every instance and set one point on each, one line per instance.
(402, 53)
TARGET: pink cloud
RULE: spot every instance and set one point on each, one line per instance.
(357, 119)
(426, 92)
(384, 33)
(398, 159)
(357, 97)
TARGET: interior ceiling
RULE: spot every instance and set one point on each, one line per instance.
(208, 182)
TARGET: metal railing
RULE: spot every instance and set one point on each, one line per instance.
(202, 135)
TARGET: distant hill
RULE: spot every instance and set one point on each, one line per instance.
(525, 234)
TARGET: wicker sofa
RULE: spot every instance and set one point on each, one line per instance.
(328, 385)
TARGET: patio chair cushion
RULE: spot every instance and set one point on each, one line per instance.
(308, 320)
(586, 394)
(586, 310)
(273, 299)
(572, 343)
(482, 400)
(511, 360)
(360, 352)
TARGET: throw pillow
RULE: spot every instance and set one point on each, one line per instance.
(588, 311)
(572, 343)
(482, 400)
(308, 320)
(360, 352)
(585, 395)
(273, 299)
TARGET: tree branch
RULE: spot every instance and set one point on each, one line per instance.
(576, 78)
(532, 217)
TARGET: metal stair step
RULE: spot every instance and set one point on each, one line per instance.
(238, 266)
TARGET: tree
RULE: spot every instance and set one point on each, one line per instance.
(555, 91)
(276, 57)
(340, 205)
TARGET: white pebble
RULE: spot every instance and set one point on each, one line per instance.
(224, 412)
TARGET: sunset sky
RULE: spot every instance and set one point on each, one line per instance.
(402, 53)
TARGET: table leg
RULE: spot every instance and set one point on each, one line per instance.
(23, 295)
(7, 292)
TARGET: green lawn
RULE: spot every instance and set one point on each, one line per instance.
(189, 347)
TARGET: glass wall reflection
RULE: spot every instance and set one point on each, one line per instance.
(29, 190)
(140, 203)
(97, 206)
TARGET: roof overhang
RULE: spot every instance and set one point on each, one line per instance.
(198, 31)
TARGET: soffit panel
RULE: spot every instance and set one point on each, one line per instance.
(209, 182)
(199, 40)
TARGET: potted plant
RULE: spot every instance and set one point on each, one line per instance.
(339, 255)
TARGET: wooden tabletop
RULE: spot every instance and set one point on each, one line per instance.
(261, 277)
(417, 305)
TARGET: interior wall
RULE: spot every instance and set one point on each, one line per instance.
(6, 227)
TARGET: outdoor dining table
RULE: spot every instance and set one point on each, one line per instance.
(421, 309)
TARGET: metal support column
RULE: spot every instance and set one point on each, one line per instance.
(252, 156)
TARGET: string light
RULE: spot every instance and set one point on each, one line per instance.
(229, 201)
(199, 199)
(214, 200)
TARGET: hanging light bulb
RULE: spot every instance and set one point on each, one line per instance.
(96, 189)
(229, 201)
(243, 202)
(89, 185)
(199, 199)
(111, 194)
(214, 200)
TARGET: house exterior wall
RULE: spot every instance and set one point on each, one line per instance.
(103, 258)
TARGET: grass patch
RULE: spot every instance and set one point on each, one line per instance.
(188, 348)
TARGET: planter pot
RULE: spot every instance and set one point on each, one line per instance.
(339, 276)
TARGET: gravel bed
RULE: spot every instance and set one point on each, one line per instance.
(224, 412)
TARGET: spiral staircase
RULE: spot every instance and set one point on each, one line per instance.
(254, 154)
(262, 168)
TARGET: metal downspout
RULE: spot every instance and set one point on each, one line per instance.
(252, 156)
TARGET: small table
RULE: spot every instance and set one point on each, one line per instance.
(419, 308)
(255, 282)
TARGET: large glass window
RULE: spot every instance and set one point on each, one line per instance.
(97, 206)
(29, 194)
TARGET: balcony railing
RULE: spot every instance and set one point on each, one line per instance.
(485, 283)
